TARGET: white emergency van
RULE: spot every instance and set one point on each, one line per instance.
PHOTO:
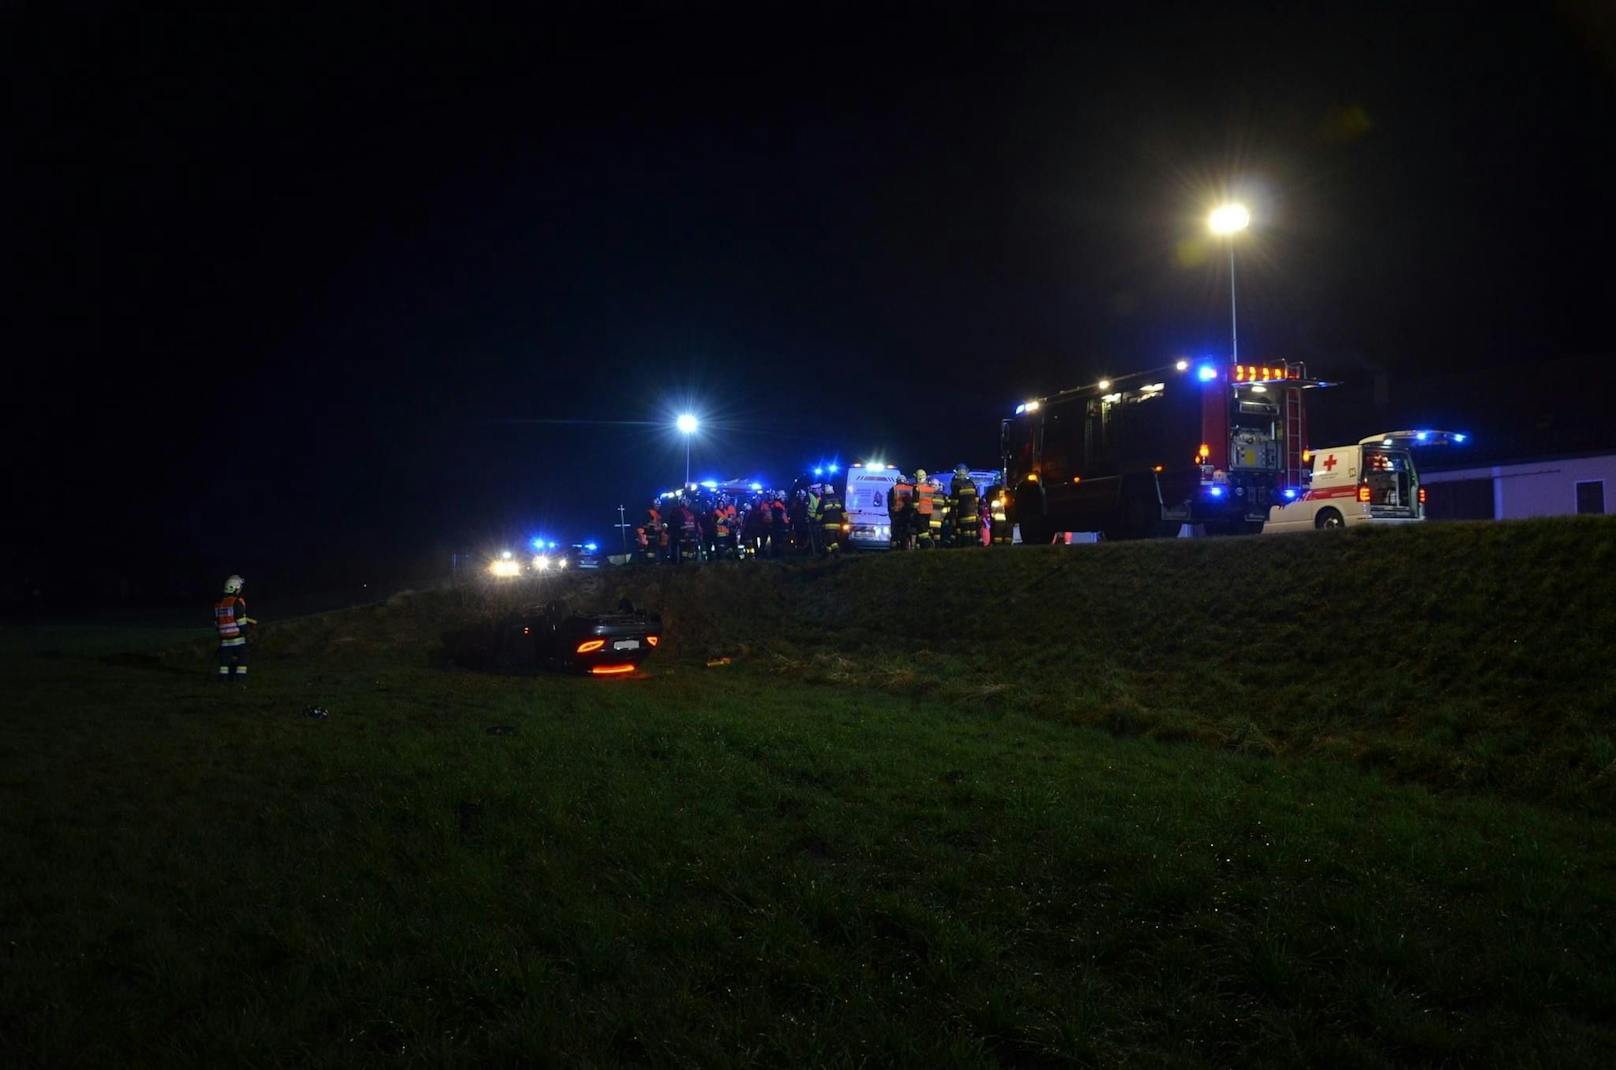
(1374, 481)
(865, 498)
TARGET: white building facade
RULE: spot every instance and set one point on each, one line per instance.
(1553, 486)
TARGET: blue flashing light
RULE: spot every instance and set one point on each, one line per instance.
(591, 546)
(1459, 436)
(833, 469)
(1290, 493)
(710, 484)
(757, 486)
(1421, 436)
(1216, 492)
(1206, 373)
(819, 471)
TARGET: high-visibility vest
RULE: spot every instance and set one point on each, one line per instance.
(925, 498)
(228, 613)
(900, 496)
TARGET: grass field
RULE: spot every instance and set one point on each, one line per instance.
(1094, 806)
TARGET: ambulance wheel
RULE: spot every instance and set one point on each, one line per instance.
(1328, 518)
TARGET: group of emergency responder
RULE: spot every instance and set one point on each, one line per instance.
(925, 515)
(706, 524)
(701, 524)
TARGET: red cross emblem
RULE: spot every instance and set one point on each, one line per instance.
(1329, 463)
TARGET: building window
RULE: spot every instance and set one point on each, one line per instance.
(1591, 497)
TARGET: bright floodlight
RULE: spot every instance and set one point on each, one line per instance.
(1229, 219)
(687, 424)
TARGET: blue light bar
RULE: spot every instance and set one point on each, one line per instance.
(1421, 436)
(757, 486)
(1459, 437)
(1206, 373)
(819, 471)
(1290, 493)
(591, 546)
(835, 468)
(1216, 492)
(710, 484)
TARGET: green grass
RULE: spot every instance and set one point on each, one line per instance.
(1460, 656)
(807, 857)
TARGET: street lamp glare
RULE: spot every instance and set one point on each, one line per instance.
(687, 424)
(1229, 219)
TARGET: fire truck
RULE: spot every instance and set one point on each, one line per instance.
(1133, 456)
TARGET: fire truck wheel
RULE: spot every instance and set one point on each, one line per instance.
(1328, 518)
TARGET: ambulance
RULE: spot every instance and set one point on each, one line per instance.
(865, 499)
(1372, 482)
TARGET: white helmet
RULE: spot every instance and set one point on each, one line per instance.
(233, 585)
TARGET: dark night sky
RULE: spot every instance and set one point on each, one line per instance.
(284, 288)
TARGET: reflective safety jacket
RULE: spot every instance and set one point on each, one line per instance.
(925, 498)
(899, 497)
(964, 500)
(229, 613)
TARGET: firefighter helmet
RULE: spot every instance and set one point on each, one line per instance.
(962, 472)
(920, 475)
(233, 585)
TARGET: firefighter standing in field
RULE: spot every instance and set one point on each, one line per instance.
(649, 534)
(963, 501)
(828, 519)
(1000, 529)
(230, 618)
(900, 511)
(928, 513)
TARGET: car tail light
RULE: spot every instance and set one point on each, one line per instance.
(653, 639)
(590, 644)
(1363, 493)
(1422, 495)
(610, 670)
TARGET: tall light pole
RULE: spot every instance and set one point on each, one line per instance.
(687, 425)
(1226, 221)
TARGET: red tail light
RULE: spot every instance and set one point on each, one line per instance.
(1363, 492)
(590, 644)
(1422, 495)
(655, 639)
(610, 670)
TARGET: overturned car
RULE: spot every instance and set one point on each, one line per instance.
(596, 644)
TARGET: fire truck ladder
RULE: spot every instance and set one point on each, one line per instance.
(1293, 437)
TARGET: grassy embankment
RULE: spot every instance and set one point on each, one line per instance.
(888, 833)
